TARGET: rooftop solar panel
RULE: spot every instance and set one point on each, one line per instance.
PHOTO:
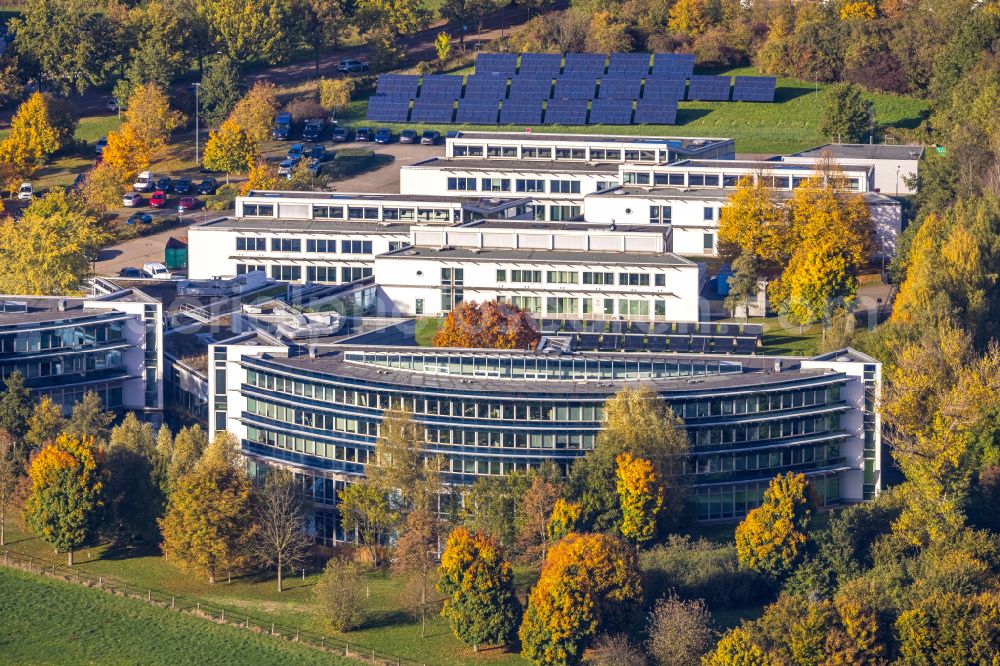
(664, 88)
(477, 112)
(611, 112)
(432, 111)
(592, 63)
(650, 111)
(496, 62)
(629, 63)
(441, 86)
(541, 62)
(388, 109)
(397, 85)
(521, 112)
(673, 62)
(575, 88)
(530, 88)
(619, 88)
(754, 89)
(709, 88)
(566, 112)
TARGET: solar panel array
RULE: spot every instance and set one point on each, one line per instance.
(388, 109)
(620, 88)
(709, 88)
(397, 85)
(664, 88)
(435, 110)
(571, 88)
(540, 63)
(521, 112)
(566, 112)
(628, 64)
(611, 112)
(587, 335)
(680, 63)
(477, 112)
(484, 86)
(653, 111)
(584, 63)
(754, 89)
(504, 63)
(441, 86)
(530, 88)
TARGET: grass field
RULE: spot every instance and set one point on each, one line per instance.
(791, 123)
(51, 622)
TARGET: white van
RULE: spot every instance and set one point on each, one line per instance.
(156, 270)
(26, 192)
(144, 183)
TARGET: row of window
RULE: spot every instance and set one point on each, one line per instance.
(735, 500)
(468, 184)
(71, 364)
(808, 454)
(313, 245)
(727, 180)
(550, 152)
(71, 337)
(286, 273)
(323, 212)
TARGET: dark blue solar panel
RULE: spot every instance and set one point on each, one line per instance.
(591, 63)
(709, 88)
(521, 112)
(682, 63)
(664, 88)
(754, 89)
(388, 109)
(432, 111)
(480, 86)
(530, 88)
(636, 64)
(566, 112)
(655, 112)
(476, 112)
(496, 62)
(611, 112)
(536, 75)
(397, 85)
(441, 86)
(619, 88)
(575, 88)
(541, 62)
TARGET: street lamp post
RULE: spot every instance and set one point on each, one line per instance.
(197, 125)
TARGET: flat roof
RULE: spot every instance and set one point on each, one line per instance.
(747, 164)
(674, 142)
(541, 256)
(531, 225)
(864, 151)
(712, 193)
(523, 166)
(383, 196)
(315, 226)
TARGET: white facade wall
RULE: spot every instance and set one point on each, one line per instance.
(142, 332)
(889, 176)
(584, 148)
(227, 403)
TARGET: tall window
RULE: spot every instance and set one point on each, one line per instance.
(564, 186)
(456, 184)
(660, 214)
(562, 277)
(452, 288)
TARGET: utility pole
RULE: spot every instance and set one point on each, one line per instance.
(197, 123)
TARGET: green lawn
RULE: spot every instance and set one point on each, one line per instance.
(51, 622)
(426, 328)
(791, 123)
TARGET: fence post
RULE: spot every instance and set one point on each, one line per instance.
(149, 594)
(272, 628)
(171, 602)
(199, 606)
(223, 616)
(296, 635)
(347, 649)
(125, 590)
(373, 655)
(100, 582)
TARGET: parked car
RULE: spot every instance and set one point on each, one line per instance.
(340, 135)
(132, 199)
(295, 152)
(430, 138)
(408, 136)
(363, 134)
(383, 135)
(164, 183)
(144, 183)
(318, 152)
(130, 272)
(314, 166)
(187, 203)
(112, 105)
(351, 66)
(158, 199)
(156, 270)
(282, 129)
(182, 185)
(285, 168)
(140, 218)
(99, 146)
(313, 129)
(208, 186)
(26, 192)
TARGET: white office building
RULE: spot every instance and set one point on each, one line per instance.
(893, 167)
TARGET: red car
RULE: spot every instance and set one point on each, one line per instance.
(187, 203)
(158, 199)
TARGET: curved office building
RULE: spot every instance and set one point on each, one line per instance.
(492, 412)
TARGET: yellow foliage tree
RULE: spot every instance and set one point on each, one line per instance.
(562, 520)
(771, 537)
(231, 149)
(127, 153)
(150, 117)
(753, 222)
(858, 10)
(691, 17)
(262, 176)
(33, 132)
(255, 111)
(640, 495)
(335, 94)
(736, 648)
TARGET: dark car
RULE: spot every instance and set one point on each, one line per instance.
(363, 134)
(182, 185)
(340, 135)
(140, 218)
(408, 136)
(313, 129)
(383, 135)
(282, 128)
(164, 183)
(130, 272)
(318, 152)
(187, 203)
(430, 138)
(208, 186)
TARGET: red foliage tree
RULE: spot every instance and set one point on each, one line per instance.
(489, 325)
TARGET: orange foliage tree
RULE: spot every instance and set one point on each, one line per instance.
(489, 325)
(67, 493)
(588, 585)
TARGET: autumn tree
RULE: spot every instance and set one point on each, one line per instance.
(442, 48)
(532, 517)
(736, 648)
(322, 22)
(207, 526)
(400, 468)
(125, 155)
(416, 555)
(220, 90)
(562, 520)
(847, 117)
(184, 453)
(88, 418)
(638, 422)
(252, 30)
(465, 12)
(366, 513)
(608, 33)
(639, 495)
(33, 135)
(339, 596)
(400, 17)
(281, 540)
(67, 493)
(680, 632)
(15, 405)
(770, 540)
(255, 111)
(481, 604)
(262, 176)
(950, 628)
(335, 94)
(231, 149)
(490, 325)
(46, 422)
(589, 584)
(48, 251)
(11, 473)
(135, 499)
(148, 112)
(754, 223)
(743, 283)
(692, 17)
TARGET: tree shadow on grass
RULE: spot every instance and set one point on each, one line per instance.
(381, 619)
(788, 93)
(912, 122)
